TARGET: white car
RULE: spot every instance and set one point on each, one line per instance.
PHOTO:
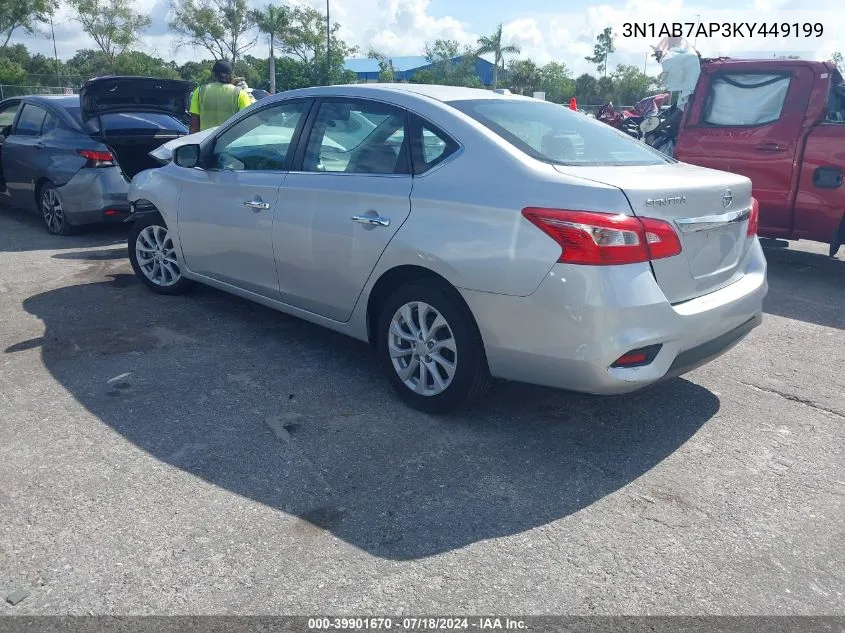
(463, 233)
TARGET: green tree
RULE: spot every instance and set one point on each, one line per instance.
(25, 15)
(524, 75)
(386, 74)
(605, 89)
(273, 21)
(630, 84)
(306, 42)
(222, 27)
(586, 88)
(556, 81)
(449, 64)
(493, 44)
(12, 73)
(603, 48)
(113, 25)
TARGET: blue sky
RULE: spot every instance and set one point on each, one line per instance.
(545, 30)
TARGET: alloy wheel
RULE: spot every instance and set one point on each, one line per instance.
(54, 213)
(422, 348)
(157, 257)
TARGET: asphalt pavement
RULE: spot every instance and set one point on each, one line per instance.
(204, 455)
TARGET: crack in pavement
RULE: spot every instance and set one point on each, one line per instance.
(793, 398)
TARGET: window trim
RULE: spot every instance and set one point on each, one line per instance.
(417, 123)
(706, 106)
(209, 145)
(305, 138)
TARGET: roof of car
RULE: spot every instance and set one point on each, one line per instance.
(63, 101)
(439, 93)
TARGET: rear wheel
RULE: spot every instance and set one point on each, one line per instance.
(429, 347)
(53, 211)
(153, 256)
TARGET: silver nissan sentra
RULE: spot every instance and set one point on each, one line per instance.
(464, 234)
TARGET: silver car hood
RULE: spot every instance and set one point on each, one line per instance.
(164, 153)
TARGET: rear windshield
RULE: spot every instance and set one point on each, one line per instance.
(132, 122)
(555, 134)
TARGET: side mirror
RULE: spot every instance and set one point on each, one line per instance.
(187, 156)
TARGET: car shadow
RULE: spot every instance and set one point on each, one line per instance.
(806, 286)
(17, 234)
(300, 419)
(103, 254)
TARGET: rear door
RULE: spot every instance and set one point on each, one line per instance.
(23, 153)
(339, 211)
(750, 123)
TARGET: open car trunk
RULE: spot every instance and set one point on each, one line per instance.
(132, 136)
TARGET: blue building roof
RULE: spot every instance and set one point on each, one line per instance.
(400, 64)
(405, 67)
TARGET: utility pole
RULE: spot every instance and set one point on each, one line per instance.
(56, 54)
(328, 45)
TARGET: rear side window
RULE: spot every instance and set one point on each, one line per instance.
(555, 134)
(51, 124)
(430, 145)
(740, 100)
(30, 120)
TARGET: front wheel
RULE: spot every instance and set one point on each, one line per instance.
(153, 256)
(429, 347)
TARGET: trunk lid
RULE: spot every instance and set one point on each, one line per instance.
(709, 210)
(109, 95)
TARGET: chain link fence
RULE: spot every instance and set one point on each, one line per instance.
(7, 90)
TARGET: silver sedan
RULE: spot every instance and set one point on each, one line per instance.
(464, 234)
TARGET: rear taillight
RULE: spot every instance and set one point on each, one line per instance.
(602, 239)
(754, 218)
(96, 158)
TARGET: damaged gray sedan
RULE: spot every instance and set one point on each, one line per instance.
(70, 158)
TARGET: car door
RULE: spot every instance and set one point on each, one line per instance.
(342, 205)
(21, 153)
(750, 123)
(227, 207)
(8, 112)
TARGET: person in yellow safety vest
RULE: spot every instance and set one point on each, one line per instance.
(216, 101)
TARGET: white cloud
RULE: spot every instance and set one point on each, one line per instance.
(402, 27)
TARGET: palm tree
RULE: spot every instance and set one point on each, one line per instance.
(493, 44)
(274, 21)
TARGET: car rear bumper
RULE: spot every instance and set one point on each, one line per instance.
(95, 195)
(580, 320)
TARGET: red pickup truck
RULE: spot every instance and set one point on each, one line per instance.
(781, 123)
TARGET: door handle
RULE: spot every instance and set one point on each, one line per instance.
(257, 204)
(771, 147)
(373, 220)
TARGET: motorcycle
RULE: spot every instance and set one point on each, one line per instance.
(620, 120)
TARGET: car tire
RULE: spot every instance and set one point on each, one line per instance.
(154, 257)
(51, 209)
(449, 345)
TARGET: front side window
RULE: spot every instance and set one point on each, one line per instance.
(30, 120)
(738, 99)
(352, 137)
(7, 115)
(261, 141)
(555, 134)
